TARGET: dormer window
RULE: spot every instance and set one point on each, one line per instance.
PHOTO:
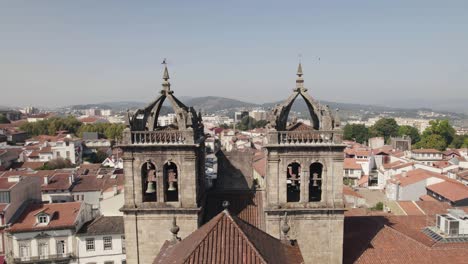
(43, 219)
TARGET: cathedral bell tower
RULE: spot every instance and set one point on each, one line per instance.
(304, 178)
(164, 175)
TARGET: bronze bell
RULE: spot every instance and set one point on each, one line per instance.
(172, 179)
(150, 188)
(171, 187)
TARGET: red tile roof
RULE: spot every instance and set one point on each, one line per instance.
(433, 151)
(450, 190)
(62, 216)
(386, 239)
(5, 184)
(415, 176)
(228, 239)
(403, 165)
(247, 205)
(410, 208)
(350, 163)
(364, 181)
(59, 181)
(94, 183)
(348, 191)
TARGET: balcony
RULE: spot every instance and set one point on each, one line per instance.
(175, 137)
(62, 258)
(307, 138)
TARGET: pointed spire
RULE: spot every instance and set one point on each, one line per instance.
(166, 85)
(166, 74)
(299, 70)
(299, 80)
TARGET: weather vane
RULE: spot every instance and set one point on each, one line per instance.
(164, 61)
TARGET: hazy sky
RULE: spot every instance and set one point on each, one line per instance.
(383, 52)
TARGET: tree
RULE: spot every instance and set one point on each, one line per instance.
(434, 141)
(4, 119)
(442, 128)
(52, 125)
(410, 131)
(357, 132)
(385, 127)
(249, 122)
(459, 141)
(58, 163)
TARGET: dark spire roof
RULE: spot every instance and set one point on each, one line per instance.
(228, 239)
(166, 73)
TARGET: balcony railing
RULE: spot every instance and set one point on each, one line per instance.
(157, 137)
(45, 258)
(307, 137)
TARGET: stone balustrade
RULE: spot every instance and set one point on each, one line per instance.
(159, 137)
(306, 137)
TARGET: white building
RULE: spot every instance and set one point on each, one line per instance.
(166, 120)
(46, 232)
(102, 241)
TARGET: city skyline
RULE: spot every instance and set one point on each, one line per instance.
(64, 53)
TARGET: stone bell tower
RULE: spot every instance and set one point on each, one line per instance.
(164, 175)
(304, 178)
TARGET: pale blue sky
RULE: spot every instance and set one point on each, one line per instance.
(412, 53)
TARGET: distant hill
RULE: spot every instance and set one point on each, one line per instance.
(214, 104)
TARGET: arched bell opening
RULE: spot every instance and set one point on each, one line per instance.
(148, 182)
(171, 186)
(293, 182)
(315, 182)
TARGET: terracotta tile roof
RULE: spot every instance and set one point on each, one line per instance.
(348, 191)
(410, 208)
(437, 207)
(103, 225)
(59, 181)
(33, 165)
(415, 176)
(364, 180)
(388, 166)
(432, 151)
(5, 184)
(379, 239)
(247, 205)
(427, 198)
(450, 190)
(94, 182)
(228, 239)
(350, 163)
(299, 126)
(403, 165)
(63, 216)
(441, 164)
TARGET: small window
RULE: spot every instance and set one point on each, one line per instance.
(109, 262)
(42, 219)
(24, 249)
(90, 244)
(107, 243)
(61, 246)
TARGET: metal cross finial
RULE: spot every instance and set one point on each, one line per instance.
(164, 61)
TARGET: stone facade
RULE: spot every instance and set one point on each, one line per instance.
(304, 180)
(164, 176)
